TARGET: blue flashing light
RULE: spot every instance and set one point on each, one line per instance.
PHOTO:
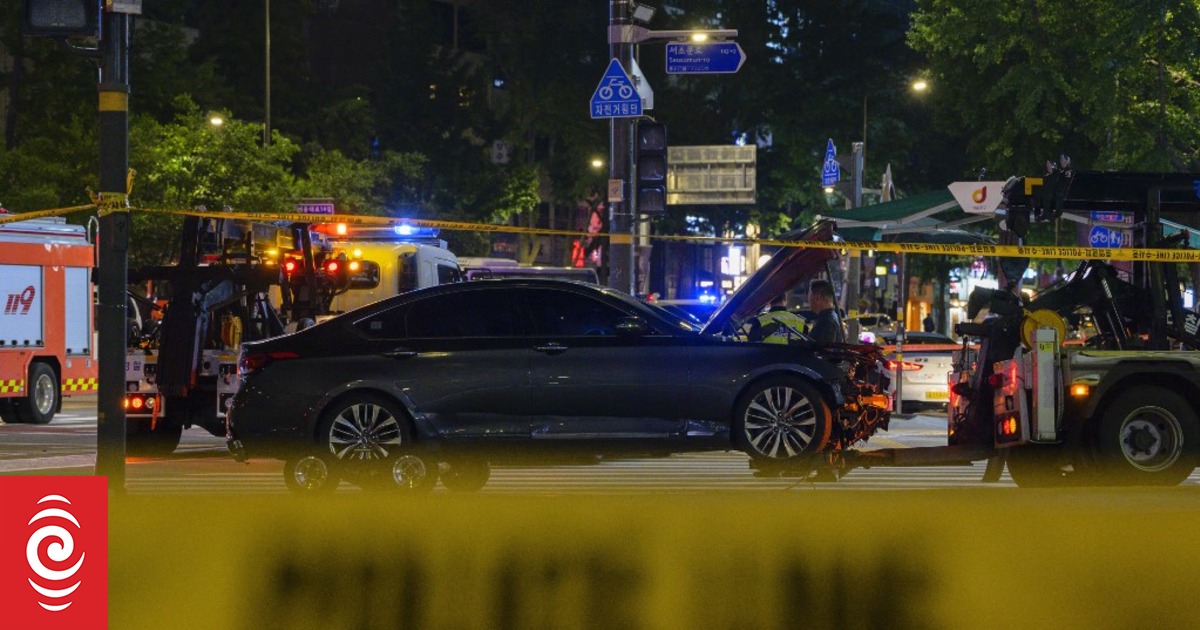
(410, 231)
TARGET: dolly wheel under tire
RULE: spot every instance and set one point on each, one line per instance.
(469, 475)
(782, 419)
(310, 475)
(363, 428)
(412, 474)
(41, 395)
(1148, 436)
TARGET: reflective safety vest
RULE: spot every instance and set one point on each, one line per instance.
(777, 326)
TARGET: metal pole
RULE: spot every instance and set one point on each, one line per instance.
(620, 213)
(853, 286)
(267, 75)
(113, 244)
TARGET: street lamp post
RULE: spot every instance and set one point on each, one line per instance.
(620, 133)
(623, 38)
(267, 74)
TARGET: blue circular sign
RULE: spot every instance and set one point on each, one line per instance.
(1101, 236)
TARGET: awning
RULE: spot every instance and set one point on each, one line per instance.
(932, 212)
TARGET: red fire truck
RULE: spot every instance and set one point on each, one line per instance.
(47, 337)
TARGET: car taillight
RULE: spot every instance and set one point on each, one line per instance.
(902, 366)
(255, 361)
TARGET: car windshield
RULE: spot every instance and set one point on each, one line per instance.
(683, 320)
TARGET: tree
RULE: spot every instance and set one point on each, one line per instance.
(190, 162)
(1026, 83)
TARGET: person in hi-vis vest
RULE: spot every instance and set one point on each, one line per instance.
(777, 324)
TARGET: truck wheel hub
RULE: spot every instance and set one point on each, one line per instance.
(1152, 439)
(1142, 439)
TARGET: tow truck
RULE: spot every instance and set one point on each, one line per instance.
(1120, 407)
(223, 291)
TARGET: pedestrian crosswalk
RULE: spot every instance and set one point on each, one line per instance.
(700, 473)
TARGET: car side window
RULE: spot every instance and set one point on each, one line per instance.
(459, 314)
(567, 314)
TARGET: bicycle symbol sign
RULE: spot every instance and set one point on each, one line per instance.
(615, 96)
(1101, 236)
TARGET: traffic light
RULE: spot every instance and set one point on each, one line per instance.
(651, 167)
(60, 18)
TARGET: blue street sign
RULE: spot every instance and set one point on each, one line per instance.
(616, 97)
(711, 58)
(1101, 236)
(1109, 216)
(831, 171)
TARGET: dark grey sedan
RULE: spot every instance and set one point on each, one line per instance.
(488, 369)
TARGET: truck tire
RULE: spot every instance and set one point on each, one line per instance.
(143, 441)
(781, 419)
(1033, 466)
(1148, 436)
(8, 412)
(42, 395)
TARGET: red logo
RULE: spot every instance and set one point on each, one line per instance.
(54, 553)
(19, 303)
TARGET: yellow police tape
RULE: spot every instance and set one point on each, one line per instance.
(40, 214)
(118, 202)
(798, 559)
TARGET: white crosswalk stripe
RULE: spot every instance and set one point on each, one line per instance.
(680, 474)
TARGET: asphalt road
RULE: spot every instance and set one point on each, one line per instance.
(202, 465)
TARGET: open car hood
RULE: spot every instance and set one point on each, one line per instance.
(788, 268)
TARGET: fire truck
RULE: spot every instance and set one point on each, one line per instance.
(235, 281)
(47, 337)
(1093, 380)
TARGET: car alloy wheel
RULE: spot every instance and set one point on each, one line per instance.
(364, 429)
(783, 419)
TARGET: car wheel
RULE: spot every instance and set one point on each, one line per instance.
(143, 440)
(1148, 436)
(466, 475)
(363, 428)
(1033, 466)
(782, 418)
(41, 395)
(310, 475)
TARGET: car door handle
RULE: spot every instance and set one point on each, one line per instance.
(551, 348)
(400, 353)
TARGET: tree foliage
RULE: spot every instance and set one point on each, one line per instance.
(1027, 82)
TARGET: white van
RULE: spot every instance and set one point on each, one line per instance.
(402, 267)
(484, 268)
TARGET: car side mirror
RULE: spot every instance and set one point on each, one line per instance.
(632, 327)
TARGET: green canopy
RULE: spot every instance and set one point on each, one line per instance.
(935, 211)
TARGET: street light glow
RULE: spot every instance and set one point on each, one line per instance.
(699, 37)
(597, 163)
(216, 120)
(920, 85)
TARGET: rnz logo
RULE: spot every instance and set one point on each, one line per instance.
(53, 553)
(19, 303)
(54, 585)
